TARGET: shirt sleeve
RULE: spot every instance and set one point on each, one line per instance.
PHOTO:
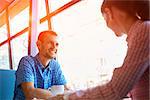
(125, 77)
(57, 74)
(24, 72)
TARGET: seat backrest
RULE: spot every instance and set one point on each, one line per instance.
(7, 84)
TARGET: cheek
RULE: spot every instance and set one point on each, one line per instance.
(114, 26)
(47, 46)
(110, 25)
(44, 48)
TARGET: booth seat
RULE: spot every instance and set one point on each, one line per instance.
(7, 84)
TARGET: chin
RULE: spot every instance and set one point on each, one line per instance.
(51, 57)
(118, 34)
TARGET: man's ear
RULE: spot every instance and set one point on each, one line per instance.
(108, 14)
(38, 43)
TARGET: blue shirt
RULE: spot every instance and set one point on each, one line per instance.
(30, 69)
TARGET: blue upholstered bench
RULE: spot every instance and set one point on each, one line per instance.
(7, 84)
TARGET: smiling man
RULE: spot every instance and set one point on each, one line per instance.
(36, 74)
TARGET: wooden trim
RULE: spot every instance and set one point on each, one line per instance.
(9, 44)
(30, 28)
(69, 4)
(47, 12)
(16, 35)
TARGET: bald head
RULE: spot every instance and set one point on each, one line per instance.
(44, 34)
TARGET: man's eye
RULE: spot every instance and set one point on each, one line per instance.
(57, 44)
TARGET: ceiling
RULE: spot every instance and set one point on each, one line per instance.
(4, 4)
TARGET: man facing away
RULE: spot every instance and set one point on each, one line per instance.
(36, 74)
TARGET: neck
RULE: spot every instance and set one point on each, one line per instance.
(44, 60)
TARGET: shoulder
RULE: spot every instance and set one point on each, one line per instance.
(27, 61)
(27, 58)
(140, 28)
(26, 65)
(147, 23)
(53, 61)
(143, 29)
(54, 64)
(145, 26)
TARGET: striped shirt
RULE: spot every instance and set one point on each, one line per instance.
(132, 76)
(30, 69)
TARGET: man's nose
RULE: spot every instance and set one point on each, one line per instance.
(54, 45)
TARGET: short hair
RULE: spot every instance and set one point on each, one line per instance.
(43, 33)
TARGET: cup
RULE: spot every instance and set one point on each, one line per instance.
(57, 89)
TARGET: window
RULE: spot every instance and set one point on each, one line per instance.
(42, 27)
(55, 4)
(3, 33)
(42, 8)
(19, 22)
(88, 50)
(4, 57)
(17, 17)
(19, 49)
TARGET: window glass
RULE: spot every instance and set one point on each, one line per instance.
(41, 8)
(19, 22)
(88, 51)
(19, 48)
(4, 57)
(3, 33)
(55, 4)
(42, 27)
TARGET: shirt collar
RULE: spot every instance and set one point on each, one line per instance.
(40, 64)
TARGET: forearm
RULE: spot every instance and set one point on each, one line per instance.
(38, 93)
